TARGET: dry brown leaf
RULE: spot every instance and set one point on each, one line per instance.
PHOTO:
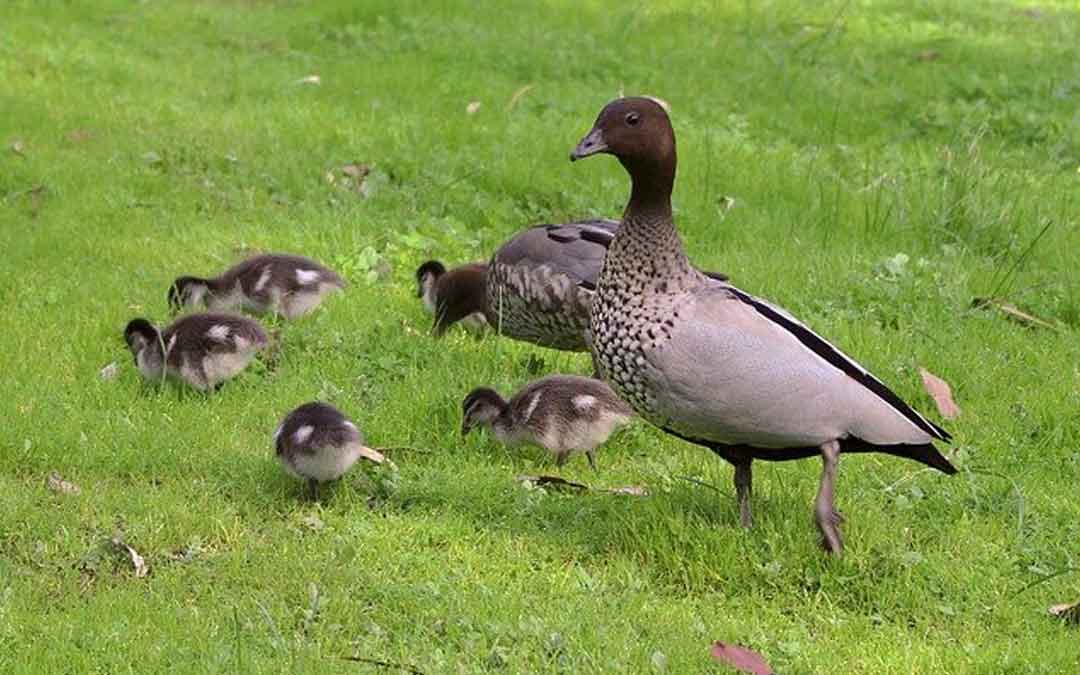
(18, 147)
(1068, 612)
(941, 392)
(518, 94)
(1011, 311)
(78, 135)
(137, 561)
(56, 483)
(740, 658)
(310, 79)
(928, 55)
(357, 172)
(109, 372)
(472, 107)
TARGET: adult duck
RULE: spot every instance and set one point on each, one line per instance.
(538, 286)
(714, 365)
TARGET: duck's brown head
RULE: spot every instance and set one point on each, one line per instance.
(637, 130)
(459, 293)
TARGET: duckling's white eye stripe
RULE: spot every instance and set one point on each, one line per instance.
(532, 405)
(218, 332)
(263, 278)
(584, 402)
(307, 277)
(303, 433)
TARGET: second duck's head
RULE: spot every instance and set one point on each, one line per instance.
(481, 407)
(457, 294)
(427, 275)
(637, 130)
(187, 292)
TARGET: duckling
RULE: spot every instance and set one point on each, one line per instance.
(433, 280)
(565, 414)
(279, 283)
(318, 443)
(202, 350)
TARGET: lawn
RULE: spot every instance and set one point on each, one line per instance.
(872, 166)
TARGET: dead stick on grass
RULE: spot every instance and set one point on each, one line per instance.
(384, 664)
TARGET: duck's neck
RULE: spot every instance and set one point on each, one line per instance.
(647, 243)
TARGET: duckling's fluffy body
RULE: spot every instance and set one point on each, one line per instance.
(284, 284)
(202, 350)
(565, 414)
(318, 443)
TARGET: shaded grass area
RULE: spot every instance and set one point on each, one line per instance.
(888, 163)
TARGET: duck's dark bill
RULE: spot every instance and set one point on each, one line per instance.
(590, 145)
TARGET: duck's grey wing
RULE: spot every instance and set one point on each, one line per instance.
(575, 250)
(738, 370)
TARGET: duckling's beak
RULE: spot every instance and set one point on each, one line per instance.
(465, 428)
(372, 454)
(590, 145)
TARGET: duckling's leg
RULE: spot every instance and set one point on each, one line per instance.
(313, 489)
(825, 507)
(743, 490)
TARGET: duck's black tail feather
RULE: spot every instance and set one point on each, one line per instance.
(925, 453)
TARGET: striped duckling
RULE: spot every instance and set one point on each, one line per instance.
(278, 283)
(203, 350)
(434, 280)
(316, 442)
(714, 365)
(565, 414)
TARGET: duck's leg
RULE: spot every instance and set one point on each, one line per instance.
(313, 489)
(591, 454)
(828, 520)
(744, 489)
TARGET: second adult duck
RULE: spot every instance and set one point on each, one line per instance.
(537, 288)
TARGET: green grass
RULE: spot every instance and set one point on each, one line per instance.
(166, 138)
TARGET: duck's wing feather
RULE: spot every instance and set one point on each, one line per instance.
(838, 359)
(738, 370)
(575, 250)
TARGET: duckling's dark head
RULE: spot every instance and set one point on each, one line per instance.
(481, 406)
(427, 274)
(186, 291)
(637, 130)
(139, 333)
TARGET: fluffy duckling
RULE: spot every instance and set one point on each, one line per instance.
(564, 413)
(202, 350)
(288, 285)
(434, 280)
(318, 443)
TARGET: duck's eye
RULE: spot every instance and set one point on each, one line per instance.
(632, 118)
